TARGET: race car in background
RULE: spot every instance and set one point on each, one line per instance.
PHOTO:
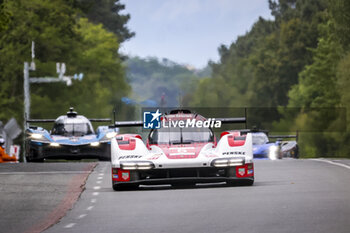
(289, 149)
(177, 155)
(264, 148)
(72, 137)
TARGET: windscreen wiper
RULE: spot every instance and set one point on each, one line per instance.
(187, 142)
(176, 143)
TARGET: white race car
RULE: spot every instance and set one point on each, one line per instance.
(177, 156)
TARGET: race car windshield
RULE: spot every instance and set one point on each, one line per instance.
(176, 135)
(72, 129)
(260, 139)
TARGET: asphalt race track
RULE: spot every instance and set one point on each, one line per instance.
(288, 196)
(34, 196)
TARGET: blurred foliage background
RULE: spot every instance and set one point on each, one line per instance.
(86, 35)
(297, 64)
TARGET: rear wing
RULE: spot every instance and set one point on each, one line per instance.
(277, 137)
(283, 136)
(128, 123)
(53, 120)
(40, 120)
(245, 131)
(232, 120)
(280, 137)
(100, 119)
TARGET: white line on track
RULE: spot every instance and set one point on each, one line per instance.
(100, 178)
(90, 207)
(101, 174)
(70, 225)
(97, 187)
(98, 182)
(93, 200)
(331, 162)
(95, 193)
(82, 216)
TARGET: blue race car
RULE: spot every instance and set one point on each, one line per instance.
(263, 148)
(72, 137)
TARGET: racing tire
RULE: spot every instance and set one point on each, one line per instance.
(240, 182)
(248, 182)
(31, 160)
(104, 159)
(123, 187)
(296, 152)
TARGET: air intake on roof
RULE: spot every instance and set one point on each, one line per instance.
(71, 112)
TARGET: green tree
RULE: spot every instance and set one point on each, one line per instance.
(339, 11)
(103, 84)
(51, 25)
(105, 77)
(107, 12)
(259, 68)
(317, 89)
(61, 34)
(4, 16)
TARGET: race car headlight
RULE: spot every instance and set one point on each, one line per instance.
(94, 143)
(54, 144)
(273, 150)
(235, 162)
(229, 162)
(110, 135)
(36, 136)
(144, 165)
(220, 163)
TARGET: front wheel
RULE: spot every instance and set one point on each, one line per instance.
(249, 182)
(120, 187)
(32, 160)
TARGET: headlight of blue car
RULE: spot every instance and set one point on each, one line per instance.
(108, 136)
(273, 151)
(37, 137)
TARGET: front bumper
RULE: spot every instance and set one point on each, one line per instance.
(183, 175)
(37, 151)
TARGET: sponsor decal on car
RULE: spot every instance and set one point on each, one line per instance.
(234, 153)
(130, 157)
(241, 171)
(182, 151)
(115, 176)
(74, 139)
(250, 171)
(154, 157)
(125, 175)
